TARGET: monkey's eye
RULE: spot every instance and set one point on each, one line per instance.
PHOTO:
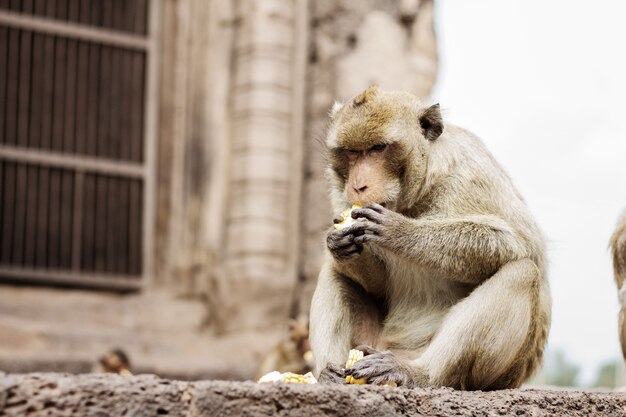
(378, 148)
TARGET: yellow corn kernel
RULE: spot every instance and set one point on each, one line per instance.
(353, 356)
(292, 378)
(288, 378)
(356, 381)
(356, 355)
(346, 215)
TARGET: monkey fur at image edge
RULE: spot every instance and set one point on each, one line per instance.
(618, 250)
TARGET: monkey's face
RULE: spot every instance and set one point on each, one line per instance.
(369, 175)
(365, 160)
(378, 148)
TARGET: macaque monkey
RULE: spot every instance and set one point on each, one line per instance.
(618, 247)
(290, 354)
(441, 281)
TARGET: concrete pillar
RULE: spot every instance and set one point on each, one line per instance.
(266, 169)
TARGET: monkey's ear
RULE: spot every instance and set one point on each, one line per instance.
(431, 122)
(365, 96)
(335, 109)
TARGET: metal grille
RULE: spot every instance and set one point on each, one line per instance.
(76, 140)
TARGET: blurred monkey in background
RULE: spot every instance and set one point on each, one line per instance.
(618, 249)
(292, 354)
(115, 361)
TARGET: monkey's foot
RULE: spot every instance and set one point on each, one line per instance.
(332, 374)
(381, 368)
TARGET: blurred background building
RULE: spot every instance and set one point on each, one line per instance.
(161, 179)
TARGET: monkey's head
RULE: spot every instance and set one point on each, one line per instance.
(378, 146)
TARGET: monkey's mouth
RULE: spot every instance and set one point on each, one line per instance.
(385, 204)
(390, 205)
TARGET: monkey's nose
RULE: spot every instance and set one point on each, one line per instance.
(359, 188)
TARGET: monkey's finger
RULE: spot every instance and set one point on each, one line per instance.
(387, 378)
(369, 214)
(377, 208)
(371, 360)
(350, 251)
(350, 256)
(332, 374)
(366, 349)
(337, 219)
(366, 226)
(360, 240)
(350, 231)
(339, 241)
(369, 368)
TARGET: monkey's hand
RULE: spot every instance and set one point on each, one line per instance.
(378, 224)
(332, 374)
(341, 243)
(382, 367)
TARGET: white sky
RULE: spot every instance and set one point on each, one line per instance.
(543, 83)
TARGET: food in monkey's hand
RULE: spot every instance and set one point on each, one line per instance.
(346, 215)
(288, 377)
(353, 356)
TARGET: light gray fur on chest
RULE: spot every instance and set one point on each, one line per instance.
(420, 296)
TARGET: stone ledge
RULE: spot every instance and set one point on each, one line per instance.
(147, 395)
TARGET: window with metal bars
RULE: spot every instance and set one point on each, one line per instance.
(75, 165)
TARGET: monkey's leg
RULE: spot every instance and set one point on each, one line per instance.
(342, 316)
(493, 338)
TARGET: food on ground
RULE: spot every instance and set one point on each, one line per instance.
(288, 377)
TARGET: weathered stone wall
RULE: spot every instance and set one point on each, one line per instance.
(241, 210)
(352, 46)
(44, 329)
(197, 38)
(265, 166)
(231, 156)
(56, 395)
(246, 88)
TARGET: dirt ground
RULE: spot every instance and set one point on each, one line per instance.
(101, 395)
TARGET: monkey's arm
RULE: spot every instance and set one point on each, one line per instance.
(330, 324)
(466, 248)
(342, 315)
